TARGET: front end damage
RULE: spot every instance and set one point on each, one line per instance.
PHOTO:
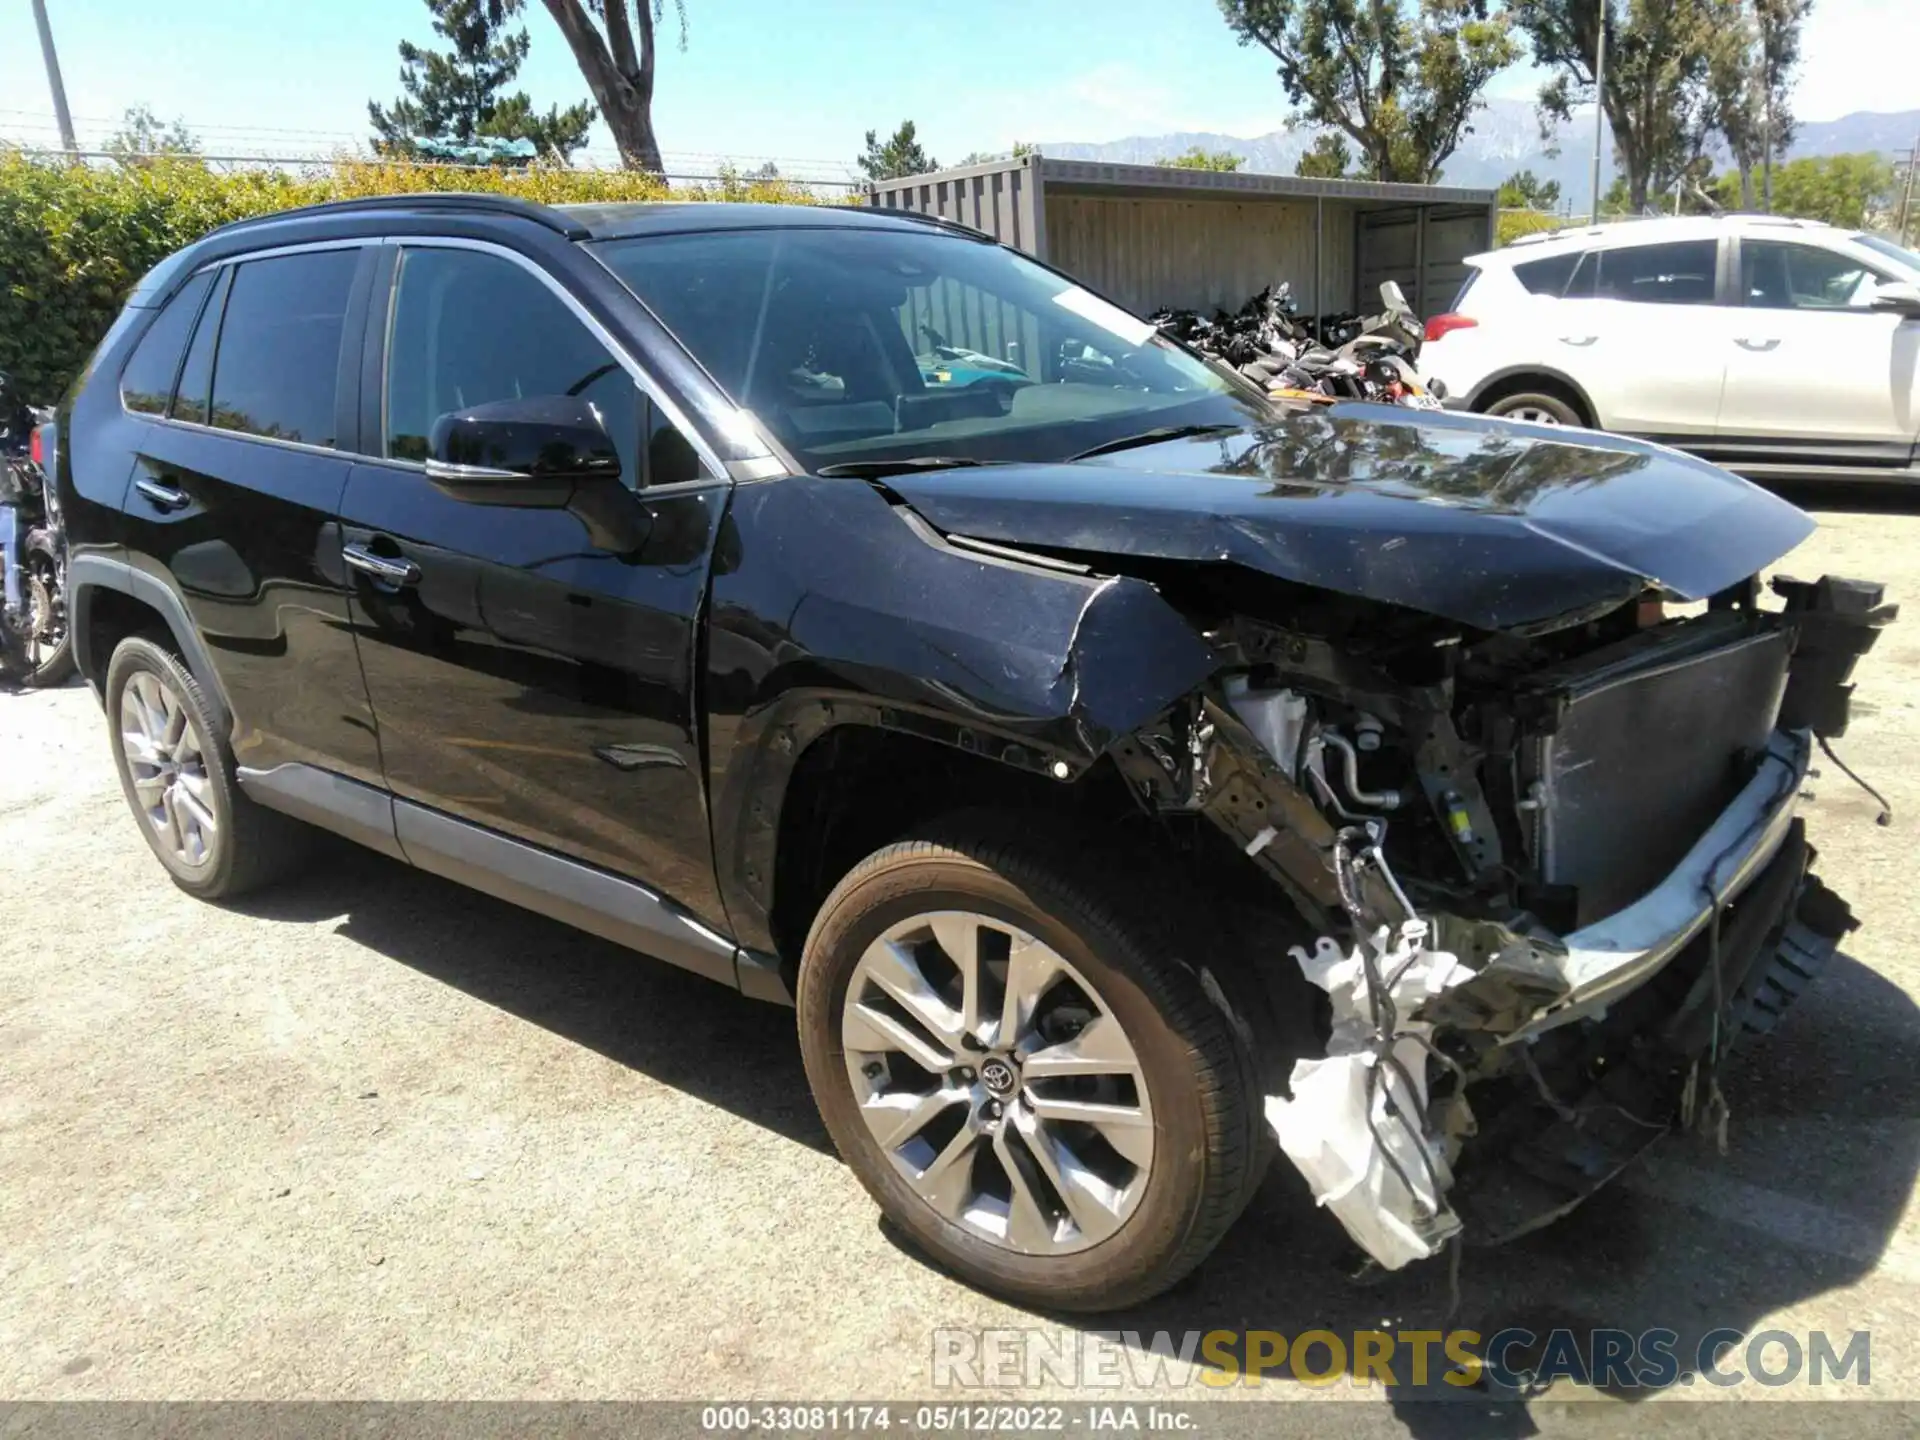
(1549, 881)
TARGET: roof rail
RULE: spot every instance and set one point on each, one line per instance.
(448, 200)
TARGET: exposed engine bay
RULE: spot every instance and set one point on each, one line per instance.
(1547, 880)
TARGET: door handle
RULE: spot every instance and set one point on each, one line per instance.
(388, 572)
(164, 497)
(1745, 343)
(1578, 339)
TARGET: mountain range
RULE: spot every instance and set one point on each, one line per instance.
(1505, 138)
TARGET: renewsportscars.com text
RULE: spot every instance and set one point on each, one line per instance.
(1512, 1358)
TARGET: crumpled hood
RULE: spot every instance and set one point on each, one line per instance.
(1493, 524)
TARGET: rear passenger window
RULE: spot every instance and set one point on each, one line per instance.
(277, 369)
(196, 376)
(147, 383)
(1549, 276)
(1676, 274)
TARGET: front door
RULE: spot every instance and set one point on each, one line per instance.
(524, 678)
(1812, 368)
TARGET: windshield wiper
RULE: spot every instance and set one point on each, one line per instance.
(878, 469)
(1153, 437)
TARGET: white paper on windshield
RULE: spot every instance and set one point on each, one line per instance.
(1110, 318)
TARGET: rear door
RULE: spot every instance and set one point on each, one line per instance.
(1814, 373)
(235, 489)
(1639, 326)
(526, 679)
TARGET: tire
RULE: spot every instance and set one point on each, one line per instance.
(1175, 1175)
(168, 750)
(1536, 408)
(49, 643)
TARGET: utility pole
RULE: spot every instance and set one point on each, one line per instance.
(1599, 102)
(54, 83)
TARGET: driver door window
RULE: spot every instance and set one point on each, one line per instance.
(468, 328)
(1776, 276)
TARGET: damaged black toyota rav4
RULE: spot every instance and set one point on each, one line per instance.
(1128, 781)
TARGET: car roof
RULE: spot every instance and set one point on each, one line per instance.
(373, 214)
(618, 221)
(1651, 231)
(603, 221)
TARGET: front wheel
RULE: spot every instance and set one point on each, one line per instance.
(1019, 1062)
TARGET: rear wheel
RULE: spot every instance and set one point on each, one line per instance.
(1536, 408)
(1017, 1061)
(47, 642)
(177, 772)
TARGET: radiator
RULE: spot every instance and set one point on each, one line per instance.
(1643, 756)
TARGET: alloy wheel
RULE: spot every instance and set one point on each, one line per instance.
(166, 760)
(46, 618)
(998, 1082)
(1533, 415)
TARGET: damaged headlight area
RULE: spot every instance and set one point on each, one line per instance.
(1547, 882)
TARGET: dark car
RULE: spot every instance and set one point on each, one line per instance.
(1120, 773)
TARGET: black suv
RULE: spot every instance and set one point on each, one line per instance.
(1119, 770)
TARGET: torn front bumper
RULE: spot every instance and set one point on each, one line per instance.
(1535, 1068)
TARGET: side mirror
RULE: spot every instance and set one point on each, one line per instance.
(546, 453)
(520, 452)
(1902, 297)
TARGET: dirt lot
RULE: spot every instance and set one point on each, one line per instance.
(373, 1135)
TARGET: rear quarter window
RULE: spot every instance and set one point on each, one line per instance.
(1548, 276)
(146, 384)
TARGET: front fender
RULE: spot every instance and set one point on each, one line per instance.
(834, 606)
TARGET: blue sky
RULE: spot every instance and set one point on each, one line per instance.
(785, 79)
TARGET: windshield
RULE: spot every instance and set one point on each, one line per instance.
(1886, 247)
(855, 345)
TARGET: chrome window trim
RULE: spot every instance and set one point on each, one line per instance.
(677, 487)
(302, 446)
(719, 470)
(622, 356)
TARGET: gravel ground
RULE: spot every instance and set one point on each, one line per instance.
(375, 1136)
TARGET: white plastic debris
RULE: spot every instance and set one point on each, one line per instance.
(1324, 1128)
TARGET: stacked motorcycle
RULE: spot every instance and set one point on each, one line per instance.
(1317, 361)
(35, 647)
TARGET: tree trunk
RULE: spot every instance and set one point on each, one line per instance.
(1746, 184)
(1766, 152)
(620, 78)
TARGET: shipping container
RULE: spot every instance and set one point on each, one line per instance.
(1150, 236)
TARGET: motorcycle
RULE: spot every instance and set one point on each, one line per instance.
(1376, 363)
(1317, 360)
(36, 650)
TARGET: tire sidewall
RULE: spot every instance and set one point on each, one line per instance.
(137, 656)
(918, 884)
(1503, 408)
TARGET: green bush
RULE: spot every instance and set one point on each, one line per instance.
(1515, 223)
(75, 239)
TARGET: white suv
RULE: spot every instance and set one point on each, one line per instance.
(1778, 348)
